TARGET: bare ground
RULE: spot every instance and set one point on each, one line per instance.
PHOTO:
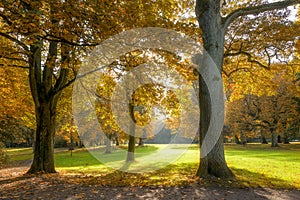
(15, 185)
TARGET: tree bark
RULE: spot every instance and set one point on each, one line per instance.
(43, 160)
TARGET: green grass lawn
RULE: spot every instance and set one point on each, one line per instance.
(254, 165)
(19, 154)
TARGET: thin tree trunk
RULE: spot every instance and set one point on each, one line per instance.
(141, 142)
(108, 145)
(117, 141)
(274, 138)
(264, 141)
(131, 148)
(279, 139)
(131, 144)
(237, 140)
(286, 139)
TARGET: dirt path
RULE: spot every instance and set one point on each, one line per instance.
(15, 185)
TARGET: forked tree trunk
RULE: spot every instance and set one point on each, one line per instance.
(45, 95)
(209, 18)
(45, 106)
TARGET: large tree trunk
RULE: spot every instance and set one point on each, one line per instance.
(209, 18)
(45, 105)
(43, 160)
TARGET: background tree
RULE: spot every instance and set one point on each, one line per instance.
(271, 115)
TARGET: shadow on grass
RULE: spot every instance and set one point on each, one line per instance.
(171, 175)
(246, 178)
(183, 175)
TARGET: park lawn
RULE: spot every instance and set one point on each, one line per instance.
(260, 165)
(19, 154)
(254, 165)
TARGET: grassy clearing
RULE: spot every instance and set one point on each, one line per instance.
(254, 165)
(19, 154)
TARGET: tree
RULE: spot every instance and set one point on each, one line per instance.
(214, 27)
(49, 44)
(271, 115)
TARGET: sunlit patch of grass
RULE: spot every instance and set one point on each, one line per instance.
(19, 154)
(85, 161)
(259, 165)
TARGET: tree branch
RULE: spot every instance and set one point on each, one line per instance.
(250, 59)
(70, 82)
(18, 66)
(5, 18)
(24, 46)
(254, 10)
(235, 70)
(10, 58)
(63, 40)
